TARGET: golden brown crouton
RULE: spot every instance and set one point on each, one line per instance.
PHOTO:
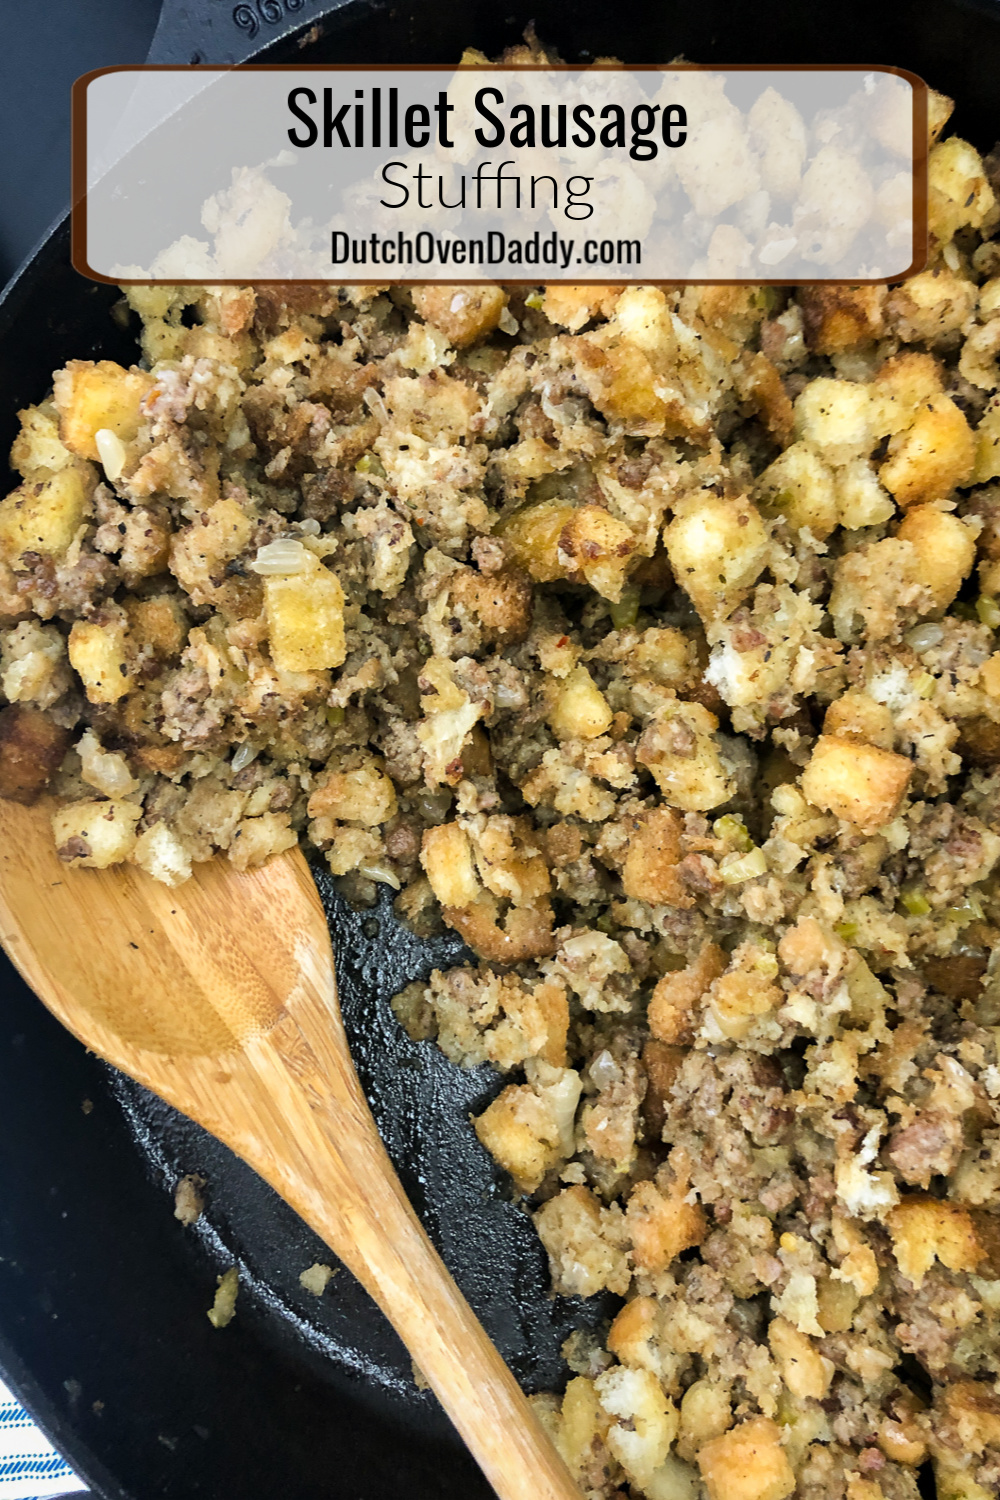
(747, 1463)
(94, 835)
(158, 623)
(959, 192)
(800, 487)
(500, 603)
(31, 750)
(44, 515)
(945, 547)
(676, 995)
(661, 1222)
(717, 547)
(661, 1063)
(98, 651)
(446, 856)
(924, 1229)
(556, 539)
(860, 783)
(804, 1370)
(931, 457)
(654, 852)
(463, 313)
(858, 716)
(745, 991)
(839, 318)
(363, 795)
(90, 397)
(679, 750)
(903, 384)
(580, 710)
(573, 306)
(524, 932)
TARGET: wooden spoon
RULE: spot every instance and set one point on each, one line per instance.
(219, 995)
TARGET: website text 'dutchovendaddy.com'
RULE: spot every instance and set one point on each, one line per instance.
(491, 249)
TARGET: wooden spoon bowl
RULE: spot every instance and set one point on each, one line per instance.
(219, 995)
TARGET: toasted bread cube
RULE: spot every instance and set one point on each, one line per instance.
(861, 500)
(519, 1132)
(31, 750)
(500, 603)
(743, 993)
(931, 457)
(684, 759)
(581, 1419)
(532, 535)
(159, 623)
(44, 515)
(833, 416)
(38, 449)
(556, 539)
(858, 716)
(662, 1224)
(633, 1327)
(838, 318)
(932, 306)
(717, 547)
(925, 1229)
(803, 1369)
(364, 795)
(673, 1003)
(95, 834)
(463, 313)
(654, 852)
(959, 193)
(647, 1425)
(580, 711)
(162, 855)
(706, 1413)
(446, 855)
(256, 839)
(946, 550)
(903, 384)
(305, 620)
(199, 553)
(987, 463)
(747, 1463)
(573, 306)
(97, 652)
(954, 1479)
(91, 396)
(597, 545)
(800, 487)
(859, 783)
(621, 381)
(582, 1260)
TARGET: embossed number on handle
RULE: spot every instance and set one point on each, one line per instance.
(250, 17)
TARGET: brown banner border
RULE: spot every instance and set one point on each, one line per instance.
(78, 164)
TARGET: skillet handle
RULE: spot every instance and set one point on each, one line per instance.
(230, 31)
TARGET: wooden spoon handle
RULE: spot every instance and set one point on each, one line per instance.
(314, 1140)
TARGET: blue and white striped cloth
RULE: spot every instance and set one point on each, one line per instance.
(30, 1468)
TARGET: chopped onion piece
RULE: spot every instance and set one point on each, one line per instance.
(923, 637)
(245, 753)
(283, 555)
(379, 873)
(111, 451)
(734, 869)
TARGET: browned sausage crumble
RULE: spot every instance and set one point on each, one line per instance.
(648, 639)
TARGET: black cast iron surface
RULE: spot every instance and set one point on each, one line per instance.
(103, 1293)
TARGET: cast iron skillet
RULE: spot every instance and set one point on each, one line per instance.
(102, 1292)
